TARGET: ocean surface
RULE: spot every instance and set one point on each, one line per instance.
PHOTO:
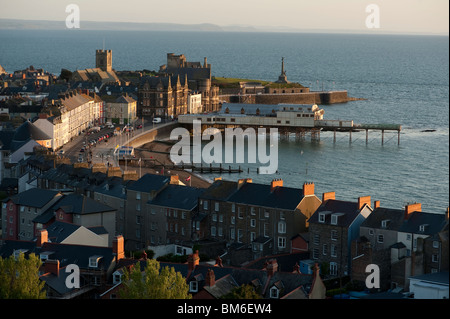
(403, 79)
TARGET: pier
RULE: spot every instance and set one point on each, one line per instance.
(288, 119)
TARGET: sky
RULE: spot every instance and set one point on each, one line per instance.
(397, 16)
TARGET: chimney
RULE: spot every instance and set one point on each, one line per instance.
(205, 64)
(43, 115)
(174, 180)
(376, 204)
(243, 181)
(42, 237)
(409, 209)
(316, 270)
(218, 262)
(363, 200)
(272, 267)
(52, 266)
(193, 260)
(308, 189)
(446, 213)
(210, 279)
(328, 195)
(118, 248)
(278, 182)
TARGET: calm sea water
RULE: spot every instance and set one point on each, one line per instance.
(404, 79)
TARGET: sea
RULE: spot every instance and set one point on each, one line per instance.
(401, 79)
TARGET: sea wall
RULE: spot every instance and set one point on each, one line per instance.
(289, 98)
(157, 133)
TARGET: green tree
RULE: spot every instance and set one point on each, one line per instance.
(155, 282)
(243, 292)
(19, 278)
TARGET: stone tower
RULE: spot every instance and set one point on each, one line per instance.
(103, 60)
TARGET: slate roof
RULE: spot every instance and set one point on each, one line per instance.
(395, 217)
(348, 210)
(80, 204)
(178, 197)
(261, 195)
(34, 197)
(220, 190)
(149, 182)
(435, 223)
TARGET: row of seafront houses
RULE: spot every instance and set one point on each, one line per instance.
(77, 215)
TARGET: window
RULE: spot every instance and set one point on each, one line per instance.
(216, 206)
(434, 258)
(316, 239)
(252, 211)
(233, 220)
(252, 222)
(321, 218)
(214, 217)
(435, 244)
(232, 233)
(282, 227)
(266, 230)
(325, 249)
(315, 253)
(205, 204)
(138, 195)
(213, 231)
(239, 235)
(333, 268)
(333, 250)
(274, 293)
(334, 219)
(138, 206)
(281, 242)
(233, 208)
(334, 235)
(138, 219)
(380, 238)
(384, 223)
(193, 286)
(220, 231)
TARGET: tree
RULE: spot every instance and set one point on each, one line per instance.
(155, 282)
(243, 292)
(19, 278)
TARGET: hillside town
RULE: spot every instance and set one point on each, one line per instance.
(70, 204)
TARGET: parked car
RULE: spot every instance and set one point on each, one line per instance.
(157, 120)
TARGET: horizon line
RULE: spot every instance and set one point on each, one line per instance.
(235, 28)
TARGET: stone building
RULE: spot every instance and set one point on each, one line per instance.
(103, 71)
(261, 217)
(198, 76)
(163, 96)
(332, 228)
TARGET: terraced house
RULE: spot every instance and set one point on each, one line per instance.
(262, 216)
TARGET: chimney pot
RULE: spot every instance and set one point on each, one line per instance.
(278, 182)
(308, 189)
(376, 204)
(210, 279)
(42, 237)
(409, 209)
(118, 247)
(328, 195)
(363, 200)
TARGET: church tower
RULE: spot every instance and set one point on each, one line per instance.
(103, 60)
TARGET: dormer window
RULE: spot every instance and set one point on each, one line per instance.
(423, 227)
(117, 277)
(93, 261)
(274, 293)
(321, 218)
(193, 286)
(334, 219)
(385, 223)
